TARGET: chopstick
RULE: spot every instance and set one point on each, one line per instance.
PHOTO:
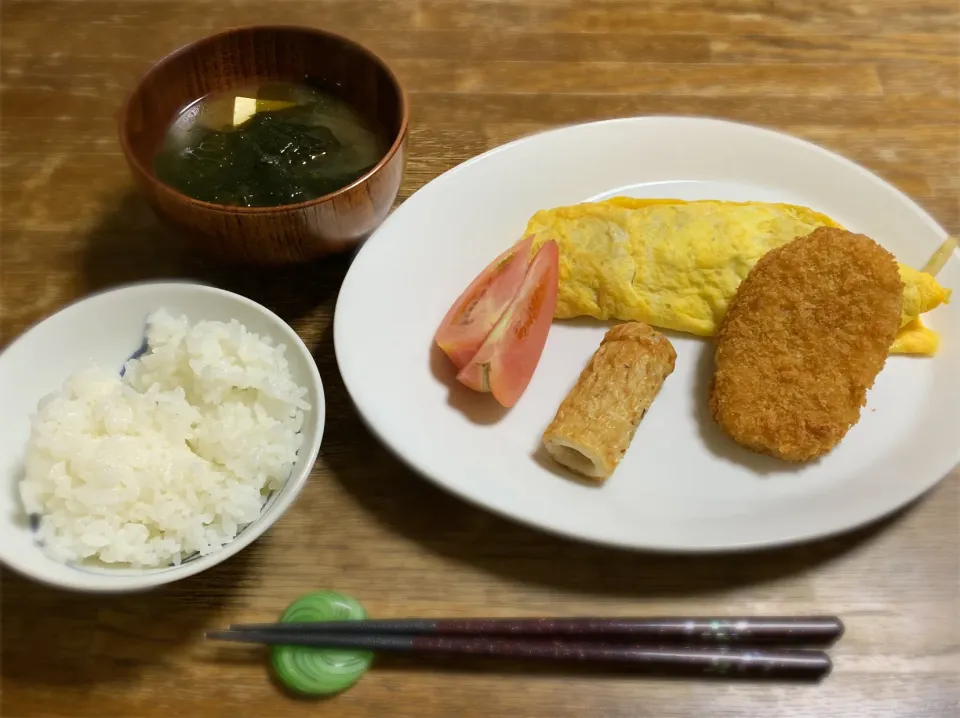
(728, 631)
(713, 661)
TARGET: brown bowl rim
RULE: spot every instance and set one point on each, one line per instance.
(273, 209)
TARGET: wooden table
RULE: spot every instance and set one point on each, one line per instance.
(874, 79)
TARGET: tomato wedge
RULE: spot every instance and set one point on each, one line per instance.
(505, 363)
(476, 311)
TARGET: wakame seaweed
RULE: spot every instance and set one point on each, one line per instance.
(278, 156)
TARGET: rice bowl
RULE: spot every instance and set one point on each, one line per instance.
(136, 472)
(172, 456)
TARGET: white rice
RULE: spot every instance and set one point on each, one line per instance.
(175, 457)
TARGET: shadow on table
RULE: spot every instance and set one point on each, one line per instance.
(56, 638)
(130, 244)
(598, 671)
(448, 526)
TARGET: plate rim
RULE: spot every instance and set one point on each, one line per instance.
(870, 518)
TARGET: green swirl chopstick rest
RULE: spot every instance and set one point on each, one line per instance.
(320, 671)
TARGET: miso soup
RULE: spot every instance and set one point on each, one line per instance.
(267, 145)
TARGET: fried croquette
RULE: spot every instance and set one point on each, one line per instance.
(804, 338)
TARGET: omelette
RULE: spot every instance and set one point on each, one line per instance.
(677, 265)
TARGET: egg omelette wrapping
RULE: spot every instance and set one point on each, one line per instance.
(676, 264)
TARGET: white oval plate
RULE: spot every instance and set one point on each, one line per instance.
(683, 485)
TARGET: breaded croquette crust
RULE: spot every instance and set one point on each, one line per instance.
(803, 340)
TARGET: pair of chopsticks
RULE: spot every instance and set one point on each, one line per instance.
(747, 647)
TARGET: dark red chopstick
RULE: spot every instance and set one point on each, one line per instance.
(716, 661)
(731, 630)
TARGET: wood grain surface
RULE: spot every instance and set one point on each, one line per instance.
(877, 80)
